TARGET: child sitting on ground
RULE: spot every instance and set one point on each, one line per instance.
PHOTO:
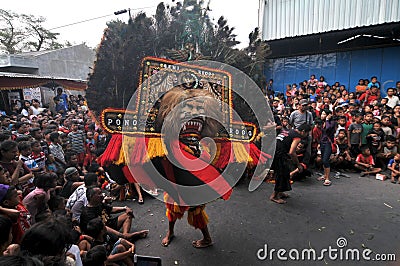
(388, 152)
(365, 162)
(394, 167)
(342, 159)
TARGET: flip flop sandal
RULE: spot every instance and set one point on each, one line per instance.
(327, 183)
(321, 178)
(141, 201)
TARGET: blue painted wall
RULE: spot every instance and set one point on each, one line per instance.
(345, 67)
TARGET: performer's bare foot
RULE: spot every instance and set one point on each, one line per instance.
(274, 198)
(167, 239)
(202, 243)
(283, 195)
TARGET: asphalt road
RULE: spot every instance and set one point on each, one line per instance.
(363, 211)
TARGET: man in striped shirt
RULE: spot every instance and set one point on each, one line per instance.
(77, 139)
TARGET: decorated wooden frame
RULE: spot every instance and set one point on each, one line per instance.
(142, 117)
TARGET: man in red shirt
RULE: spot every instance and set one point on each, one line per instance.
(370, 96)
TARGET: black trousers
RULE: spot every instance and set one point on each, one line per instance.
(282, 173)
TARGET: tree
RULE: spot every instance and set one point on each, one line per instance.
(39, 37)
(180, 32)
(10, 35)
(22, 33)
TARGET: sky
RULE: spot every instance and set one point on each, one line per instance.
(242, 15)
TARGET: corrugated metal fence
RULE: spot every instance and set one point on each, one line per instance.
(345, 67)
(289, 18)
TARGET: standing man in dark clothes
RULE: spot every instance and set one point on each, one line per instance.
(286, 144)
(61, 102)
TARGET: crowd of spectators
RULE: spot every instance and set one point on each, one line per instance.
(351, 131)
(56, 202)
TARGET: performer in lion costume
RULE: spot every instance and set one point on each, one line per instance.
(189, 157)
(188, 116)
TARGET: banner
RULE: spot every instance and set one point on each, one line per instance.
(32, 93)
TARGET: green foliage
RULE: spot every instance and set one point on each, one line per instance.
(10, 36)
(23, 33)
(167, 34)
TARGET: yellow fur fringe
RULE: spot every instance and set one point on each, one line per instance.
(241, 154)
(155, 148)
(215, 154)
(128, 144)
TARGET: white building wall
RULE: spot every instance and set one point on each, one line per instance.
(290, 18)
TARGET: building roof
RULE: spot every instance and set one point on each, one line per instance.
(38, 53)
(383, 35)
(12, 81)
(32, 76)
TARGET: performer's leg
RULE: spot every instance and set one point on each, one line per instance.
(139, 192)
(282, 182)
(206, 241)
(170, 234)
(198, 218)
(173, 213)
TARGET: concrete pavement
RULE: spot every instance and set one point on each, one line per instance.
(363, 211)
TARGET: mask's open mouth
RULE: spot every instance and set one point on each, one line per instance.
(192, 127)
(191, 133)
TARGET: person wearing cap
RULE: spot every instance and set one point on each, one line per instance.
(72, 181)
(275, 105)
(299, 117)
